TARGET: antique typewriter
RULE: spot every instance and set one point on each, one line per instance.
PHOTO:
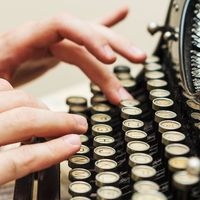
(147, 148)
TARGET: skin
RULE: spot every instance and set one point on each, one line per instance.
(31, 50)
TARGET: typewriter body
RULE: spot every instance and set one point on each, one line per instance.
(146, 148)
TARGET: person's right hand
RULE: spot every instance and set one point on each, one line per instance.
(23, 117)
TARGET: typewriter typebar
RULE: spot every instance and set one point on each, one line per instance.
(146, 148)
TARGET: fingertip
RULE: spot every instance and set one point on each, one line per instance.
(73, 140)
(80, 121)
(108, 54)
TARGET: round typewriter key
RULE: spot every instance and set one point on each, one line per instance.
(156, 84)
(195, 116)
(100, 119)
(131, 113)
(105, 165)
(84, 139)
(107, 179)
(79, 174)
(103, 140)
(145, 186)
(140, 159)
(77, 109)
(79, 161)
(101, 129)
(162, 104)
(193, 104)
(170, 137)
(132, 124)
(152, 67)
(121, 69)
(137, 147)
(96, 99)
(197, 125)
(104, 152)
(80, 198)
(183, 180)
(193, 166)
(169, 125)
(161, 115)
(154, 75)
(133, 135)
(123, 76)
(76, 101)
(95, 89)
(129, 103)
(84, 150)
(176, 149)
(152, 59)
(151, 195)
(177, 163)
(109, 193)
(142, 172)
(128, 84)
(158, 93)
(80, 188)
(101, 108)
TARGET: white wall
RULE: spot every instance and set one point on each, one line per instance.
(13, 13)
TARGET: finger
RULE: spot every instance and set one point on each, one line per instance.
(23, 123)
(26, 159)
(122, 45)
(114, 17)
(5, 85)
(94, 69)
(17, 98)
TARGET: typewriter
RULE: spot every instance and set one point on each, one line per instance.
(146, 148)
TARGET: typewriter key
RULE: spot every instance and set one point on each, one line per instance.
(76, 101)
(84, 139)
(156, 84)
(142, 172)
(137, 147)
(195, 116)
(131, 113)
(79, 161)
(100, 119)
(154, 75)
(152, 67)
(103, 140)
(129, 103)
(121, 69)
(104, 152)
(96, 99)
(177, 163)
(162, 104)
(140, 159)
(162, 115)
(123, 76)
(109, 193)
(80, 198)
(101, 108)
(176, 149)
(128, 84)
(132, 124)
(77, 109)
(197, 125)
(80, 188)
(105, 165)
(193, 105)
(145, 186)
(107, 179)
(151, 195)
(158, 93)
(133, 135)
(95, 89)
(84, 150)
(101, 129)
(169, 125)
(170, 137)
(152, 59)
(79, 174)
(193, 166)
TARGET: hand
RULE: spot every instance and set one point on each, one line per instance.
(67, 38)
(23, 117)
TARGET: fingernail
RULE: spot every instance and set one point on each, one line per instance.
(72, 139)
(108, 51)
(81, 121)
(137, 51)
(123, 94)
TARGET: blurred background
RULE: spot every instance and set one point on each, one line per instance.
(14, 13)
